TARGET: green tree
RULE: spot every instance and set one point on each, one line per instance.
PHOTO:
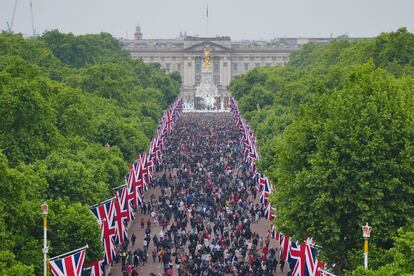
(10, 266)
(336, 141)
(28, 128)
(71, 227)
(347, 160)
(62, 98)
(258, 97)
(393, 51)
(21, 192)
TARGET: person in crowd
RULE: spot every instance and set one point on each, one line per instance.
(133, 239)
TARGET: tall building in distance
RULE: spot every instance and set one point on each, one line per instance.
(229, 58)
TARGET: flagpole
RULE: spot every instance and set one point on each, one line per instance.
(207, 21)
(119, 187)
(68, 253)
(45, 208)
(105, 201)
(326, 272)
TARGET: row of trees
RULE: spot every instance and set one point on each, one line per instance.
(336, 132)
(62, 99)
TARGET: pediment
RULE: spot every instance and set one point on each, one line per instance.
(199, 47)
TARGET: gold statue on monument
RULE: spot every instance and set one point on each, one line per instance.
(206, 59)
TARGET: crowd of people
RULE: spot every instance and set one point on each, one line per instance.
(206, 207)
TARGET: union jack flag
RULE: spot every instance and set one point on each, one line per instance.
(284, 245)
(133, 185)
(268, 212)
(275, 234)
(136, 167)
(71, 265)
(157, 149)
(311, 261)
(318, 269)
(130, 200)
(298, 259)
(266, 191)
(152, 153)
(145, 177)
(105, 214)
(169, 121)
(252, 168)
(138, 189)
(97, 268)
(121, 218)
(252, 153)
(148, 166)
(261, 182)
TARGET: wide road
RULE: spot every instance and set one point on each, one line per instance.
(204, 181)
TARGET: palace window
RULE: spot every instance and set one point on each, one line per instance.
(216, 67)
(246, 67)
(168, 67)
(179, 67)
(235, 67)
(257, 64)
(216, 80)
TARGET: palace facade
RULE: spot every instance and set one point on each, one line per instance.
(229, 58)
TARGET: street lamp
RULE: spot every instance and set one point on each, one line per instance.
(366, 233)
(45, 209)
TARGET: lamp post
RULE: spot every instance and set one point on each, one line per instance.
(45, 208)
(366, 233)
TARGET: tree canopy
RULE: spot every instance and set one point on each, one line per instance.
(335, 130)
(62, 99)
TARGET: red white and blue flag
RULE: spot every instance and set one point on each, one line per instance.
(298, 259)
(134, 185)
(105, 214)
(269, 211)
(145, 178)
(169, 121)
(97, 268)
(146, 172)
(320, 270)
(311, 261)
(284, 245)
(266, 190)
(261, 182)
(275, 234)
(71, 265)
(121, 218)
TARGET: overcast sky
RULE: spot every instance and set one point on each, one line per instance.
(240, 19)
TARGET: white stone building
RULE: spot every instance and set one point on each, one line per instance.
(229, 58)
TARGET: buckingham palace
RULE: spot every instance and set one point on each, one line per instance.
(229, 58)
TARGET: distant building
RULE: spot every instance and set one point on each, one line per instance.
(229, 58)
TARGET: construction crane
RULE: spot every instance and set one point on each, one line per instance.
(31, 13)
(10, 25)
